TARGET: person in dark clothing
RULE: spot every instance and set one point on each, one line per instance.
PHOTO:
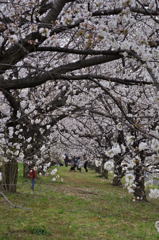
(66, 160)
(33, 175)
(73, 164)
(86, 165)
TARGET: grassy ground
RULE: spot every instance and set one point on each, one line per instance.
(84, 206)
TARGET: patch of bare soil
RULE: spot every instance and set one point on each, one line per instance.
(76, 191)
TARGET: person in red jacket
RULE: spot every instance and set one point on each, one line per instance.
(33, 175)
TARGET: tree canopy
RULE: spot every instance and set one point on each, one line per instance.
(84, 75)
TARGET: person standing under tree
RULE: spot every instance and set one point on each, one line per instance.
(85, 163)
(73, 164)
(78, 164)
(33, 175)
(66, 160)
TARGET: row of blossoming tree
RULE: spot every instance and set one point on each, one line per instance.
(122, 135)
(84, 73)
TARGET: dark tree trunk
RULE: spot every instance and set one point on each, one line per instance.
(98, 169)
(117, 181)
(105, 173)
(139, 190)
(117, 171)
(9, 176)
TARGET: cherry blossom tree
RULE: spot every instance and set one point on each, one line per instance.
(117, 125)
(112, 44)
(29, 130)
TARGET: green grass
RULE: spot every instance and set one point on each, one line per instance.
(83, 207)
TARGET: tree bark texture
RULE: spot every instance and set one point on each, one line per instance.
(139, 190)
(117, 171)
(9, 176)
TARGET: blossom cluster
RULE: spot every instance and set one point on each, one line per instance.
(154, 193)
(56, 176)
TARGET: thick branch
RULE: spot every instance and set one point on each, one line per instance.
(78, 51)
(54, 74)
(18, 51)
(116, 11)
(12, 101)
(56, 8)
(124, 81)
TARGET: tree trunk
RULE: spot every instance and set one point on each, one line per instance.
(117, 181)
(139, 189)
(98, 169)
(118, 171)
(9, 176)
(105, 173)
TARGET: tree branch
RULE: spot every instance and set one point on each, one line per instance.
(124, 81)
(18, 51)
(79, 51)
(116, 11)
(55, 73)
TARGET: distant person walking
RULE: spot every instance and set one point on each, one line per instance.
(33, 175)
(72, 168)
(66, 160)
(85, 165)
(78, 163)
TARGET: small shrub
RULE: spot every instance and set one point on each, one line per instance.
(39, 230)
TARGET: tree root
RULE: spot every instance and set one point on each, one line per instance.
(11, 204)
